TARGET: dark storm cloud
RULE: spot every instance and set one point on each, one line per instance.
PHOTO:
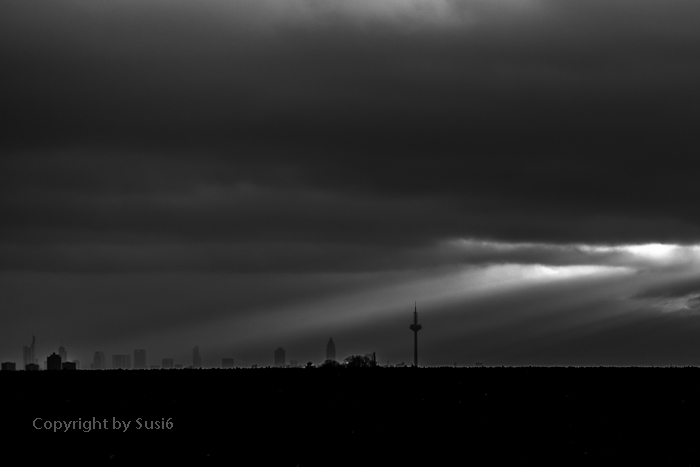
(134, 214)
(277, 256)
(154, 213)
(338, 135)
(491, 159)
(676, 289)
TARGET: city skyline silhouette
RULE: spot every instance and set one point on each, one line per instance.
(299, 171)
(215, 215)
(58, 361)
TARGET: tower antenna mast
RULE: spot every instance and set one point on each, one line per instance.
(415, 327)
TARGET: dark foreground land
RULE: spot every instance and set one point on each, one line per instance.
(380, 416)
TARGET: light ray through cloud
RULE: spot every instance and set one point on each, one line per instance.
(240, 173)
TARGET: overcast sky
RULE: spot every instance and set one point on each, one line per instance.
(245, 175)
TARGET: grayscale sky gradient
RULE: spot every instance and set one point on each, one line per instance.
(244, 175)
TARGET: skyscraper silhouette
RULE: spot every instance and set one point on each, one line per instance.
(196, 358)
(53, 362)
(280, 358)
(121, 362)
(415, 327)
(140, 359)
(117, 362)
(99, 361)
(330, 350)
(228, 363)
(63, 354)
(29, 355)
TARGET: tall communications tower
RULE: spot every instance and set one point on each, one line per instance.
(415, 327)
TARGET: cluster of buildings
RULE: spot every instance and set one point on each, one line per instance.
(59, 361)
(281, 358)
(281, 362)
(55, 361)
(124, 361)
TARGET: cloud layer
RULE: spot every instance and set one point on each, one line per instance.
(230, 138)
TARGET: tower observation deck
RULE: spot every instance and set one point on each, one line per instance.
(415, 327)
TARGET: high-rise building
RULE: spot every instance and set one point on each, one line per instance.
(8, 366)
(196, 358)
(280, 358)
(330, 350)
(99, 362)
(63, 354)
(227, 363)
(31, 367)
(168, 363)
(53, 362)
(117, 362)
(121, 362)
(140, 359)
(29, 353)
